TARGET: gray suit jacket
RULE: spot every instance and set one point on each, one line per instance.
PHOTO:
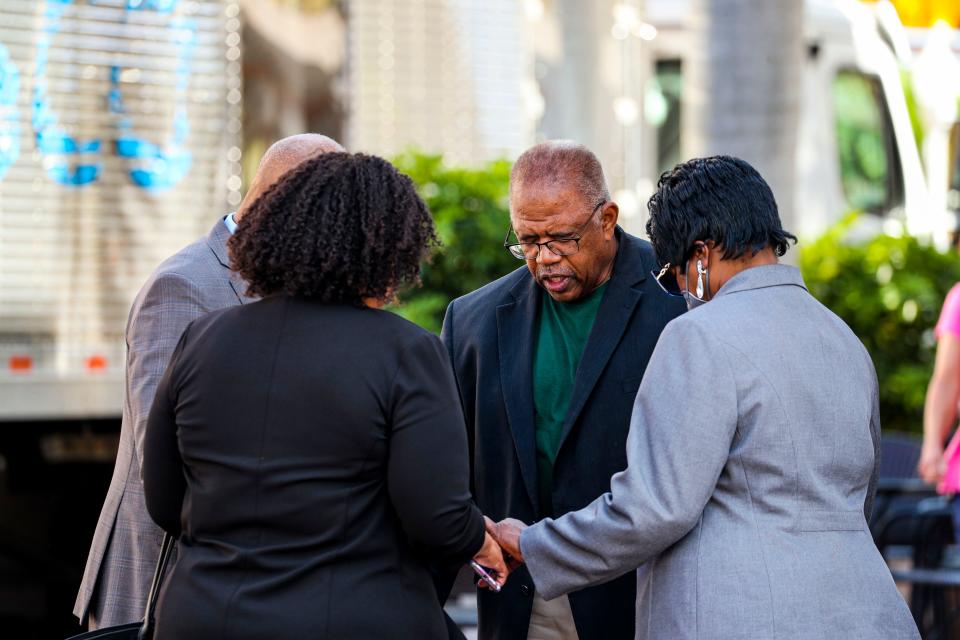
(123, 555)
(752, 461)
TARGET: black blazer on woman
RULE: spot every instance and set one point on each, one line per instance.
(311, 458)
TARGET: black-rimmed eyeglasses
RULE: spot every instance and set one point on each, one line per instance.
(566, 246)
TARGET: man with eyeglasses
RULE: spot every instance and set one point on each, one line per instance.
(548, 360)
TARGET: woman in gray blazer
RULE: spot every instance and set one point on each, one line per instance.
(753, 449)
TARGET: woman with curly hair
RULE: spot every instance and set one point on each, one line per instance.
(308, 450)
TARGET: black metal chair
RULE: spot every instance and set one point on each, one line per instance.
(899, 455)
(908, 512)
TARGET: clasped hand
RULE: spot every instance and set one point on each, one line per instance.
(500, 552)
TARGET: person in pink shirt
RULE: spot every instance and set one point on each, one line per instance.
(943, 395)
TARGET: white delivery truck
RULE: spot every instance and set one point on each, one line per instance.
(118, 129)
(855, 145)
(119, 144)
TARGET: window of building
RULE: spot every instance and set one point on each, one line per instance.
(663, 112)
(869, 162)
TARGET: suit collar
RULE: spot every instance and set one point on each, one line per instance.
(772, 275)
(217, 241)
(619, 303)
(629, 267)
(516, 331)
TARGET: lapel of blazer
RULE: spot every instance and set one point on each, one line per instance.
(516, 320)
(616, 309)
(217, 241)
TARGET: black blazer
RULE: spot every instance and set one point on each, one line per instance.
(311, 458)
(490, 335)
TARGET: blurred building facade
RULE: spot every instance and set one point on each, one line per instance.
(114, 116)
(293, 72)
(812, 95)
(445, 76)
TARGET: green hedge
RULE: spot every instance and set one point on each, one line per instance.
(889, 290)
(471, 212)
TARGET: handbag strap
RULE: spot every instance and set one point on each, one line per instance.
(166, 550)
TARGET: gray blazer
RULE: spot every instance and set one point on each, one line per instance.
(752, 462)
(123, 555)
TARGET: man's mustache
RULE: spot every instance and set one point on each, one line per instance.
(545, 273)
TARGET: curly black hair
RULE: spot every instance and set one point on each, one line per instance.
(720, 198)
(339, 228)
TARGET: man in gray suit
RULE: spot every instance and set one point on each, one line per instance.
(189, 284)
(753, 450)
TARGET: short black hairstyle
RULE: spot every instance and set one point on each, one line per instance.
(720, 198)
(338, 228)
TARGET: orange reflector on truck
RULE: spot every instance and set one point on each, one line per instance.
(20, 363)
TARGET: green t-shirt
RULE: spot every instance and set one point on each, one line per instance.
(563, 332)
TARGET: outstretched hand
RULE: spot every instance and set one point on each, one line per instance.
(491, 557)
(507, 534)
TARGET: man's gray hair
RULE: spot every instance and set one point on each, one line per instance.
(561, 162)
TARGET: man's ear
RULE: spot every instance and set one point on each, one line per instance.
(609, 215)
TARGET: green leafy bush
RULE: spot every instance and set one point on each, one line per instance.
(889, 290)
(471, 212)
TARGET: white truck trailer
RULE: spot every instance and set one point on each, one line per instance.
(119, 122)
(855, 145)
(119, 144)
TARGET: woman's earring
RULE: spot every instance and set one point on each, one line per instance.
(700, 272)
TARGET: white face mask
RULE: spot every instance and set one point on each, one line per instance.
(703, 285)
